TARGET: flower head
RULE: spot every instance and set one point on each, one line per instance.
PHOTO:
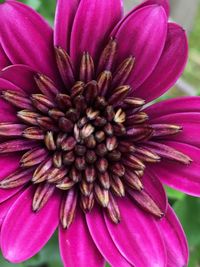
(79, 148)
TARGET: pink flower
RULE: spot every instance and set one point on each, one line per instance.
(79, 150)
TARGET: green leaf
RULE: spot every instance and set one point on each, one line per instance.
(194, 257)
(188, 210)
(175, 195)
(50, 254)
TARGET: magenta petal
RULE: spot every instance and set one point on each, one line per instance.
(9, 164)
(30, 231)
(190, 122)
(4, 61)
(155, 189)
(175, 105)
(22, 76)
(146, 46)
(103, 240)
(175, 240)
(137, 236)
(164, 3)
(27, 38)
(6, 205)
(170, 65)
(7, 112)
(182, 177)
(65, 13)
(76, 245)
(93, 23)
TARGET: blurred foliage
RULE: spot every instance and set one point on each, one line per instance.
(192, 72)
(187, 208)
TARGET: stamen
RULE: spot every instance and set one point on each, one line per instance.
(68, 144)
(86, 68)
(33, 133)
(133, 181)
(29, 117)
(118, 169)
(33, 157)
(147, 155)
(111, 143)
(87, 202)
(104, 82)
(168, 152)
(17, 99)
(104, 179)
(65, 66)
(41, 196)
(86, 188)
(64, 101)
(47, 123)
(65, 124)
(146, 202)
(77, 89)
(133, 162)
(9, 129)
(119, 95)
(123, 71)
(120, 116)
(16, 146)
(68, 158)
(57, 159)
(66, 184)
(137, 118)
(107, 57)
(113, 210)
(68, 208)
(161, 130)
(49, 141)
(90, 174)
(40, 173)
(117, 186)
(102, 196)
(57, 174)
(46, 85)
(133, 102)
(91, 91)
(16, 179)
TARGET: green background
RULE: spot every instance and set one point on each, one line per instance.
(187, 208)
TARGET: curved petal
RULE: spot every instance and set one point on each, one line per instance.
(170, 65)
(155, 189)
(182, 177)
(31, 231)
(190, 122)
(22, 76)
(164, 3)
(6, 205)
(4, 61)
(76, 245)
(174, 105)
(9, 164)
(65, 13)
(137, 236)
(146, 46)
(7, 111)
(175, 240)
(27, 38)
(103, 240)
(97, 18)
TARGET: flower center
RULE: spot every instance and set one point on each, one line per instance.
(87, 140)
